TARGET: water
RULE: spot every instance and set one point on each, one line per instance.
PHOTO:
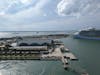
(27, 33)
(88, 52)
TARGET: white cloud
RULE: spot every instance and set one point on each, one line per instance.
(26, 1)
(2, 13)
(25, 16)
(77, 7)
(28, 14)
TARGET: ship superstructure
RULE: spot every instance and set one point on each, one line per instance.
(92, 34)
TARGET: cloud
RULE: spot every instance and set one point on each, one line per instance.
(78, 7)
(47, 14)
(17, 13)
(12, 7)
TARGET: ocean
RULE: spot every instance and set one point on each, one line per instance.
(87, 51)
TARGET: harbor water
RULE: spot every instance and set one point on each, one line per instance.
(87, 51)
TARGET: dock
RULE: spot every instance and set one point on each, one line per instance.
(70, 56)
(67, 50)
(50, 50)
(56, 51)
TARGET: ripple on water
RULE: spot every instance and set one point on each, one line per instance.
(21, 68)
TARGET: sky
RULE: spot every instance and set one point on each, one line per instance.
(48, 15)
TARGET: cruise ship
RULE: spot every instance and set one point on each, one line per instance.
(90, 33)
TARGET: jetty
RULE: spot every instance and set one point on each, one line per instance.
(49, 49)
(41, 47)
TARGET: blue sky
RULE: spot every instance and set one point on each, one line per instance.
(46, 15)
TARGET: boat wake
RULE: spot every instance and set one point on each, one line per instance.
(43, 71)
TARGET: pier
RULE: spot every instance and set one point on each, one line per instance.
(49, 50)
(56, 52)
(70, 56)
(37, 52)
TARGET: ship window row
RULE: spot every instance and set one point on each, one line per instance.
(90, 33)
